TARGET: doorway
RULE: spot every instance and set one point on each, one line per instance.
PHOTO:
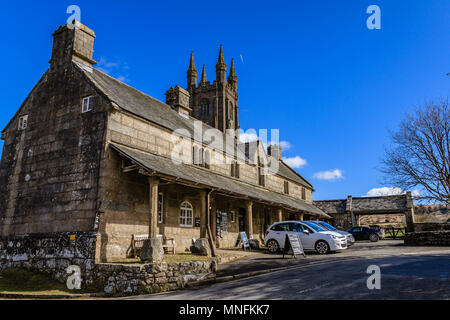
(241, 219)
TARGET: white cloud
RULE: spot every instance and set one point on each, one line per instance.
(248, 137)
(295, 162)
(330, 175)
(285, 145)
(389, 191)
(119, 70)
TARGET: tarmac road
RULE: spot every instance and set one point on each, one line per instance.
(407, 276)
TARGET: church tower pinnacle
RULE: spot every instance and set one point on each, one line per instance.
(232, 78)
(221, 68)
(203, 79)
(191, 74)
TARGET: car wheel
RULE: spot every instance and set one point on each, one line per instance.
(373, 237)
(273, 246)
(322, 247)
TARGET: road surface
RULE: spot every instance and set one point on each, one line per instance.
(414, 276)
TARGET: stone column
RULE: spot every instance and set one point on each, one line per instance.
(249, 216)
(153, 204)
(349, 209)
(213, 220)
(203, 213)
(152, 249)
(409, 214)
(300, 217)
(280, 215)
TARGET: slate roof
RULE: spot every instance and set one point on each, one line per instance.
(382, 204)
(142, 105)
(162, 165)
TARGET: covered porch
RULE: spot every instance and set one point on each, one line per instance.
(186, 202)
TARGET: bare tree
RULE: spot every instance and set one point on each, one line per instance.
(419, 155)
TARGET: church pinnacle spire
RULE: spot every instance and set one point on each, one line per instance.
(203, 79)
(221, 59)
(221, 68)
(232, 78)
(192, 62)
(191, 74)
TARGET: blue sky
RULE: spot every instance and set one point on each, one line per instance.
(309, 68)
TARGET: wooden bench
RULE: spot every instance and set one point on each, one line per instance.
(137, 241)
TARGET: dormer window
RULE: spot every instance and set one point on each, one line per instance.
(23, 122)
(88, 104)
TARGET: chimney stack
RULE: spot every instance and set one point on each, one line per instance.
(72, 42)
(179, 98)
(274, 150)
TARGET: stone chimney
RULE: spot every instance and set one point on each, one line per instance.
(72, 42)
(179, 99)
(274, 150)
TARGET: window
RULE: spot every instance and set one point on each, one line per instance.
(186, 215)
(286, 187)
(88, 103)
(298, 227)
(230, 111)
(195, 159)
(23, 122)
(233, 216)
(303, 194)
(282, 227)
(235, 169)
(160, 208)
(204, 109)
(262, 177)
(207, 159)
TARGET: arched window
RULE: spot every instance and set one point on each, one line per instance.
(186, 215)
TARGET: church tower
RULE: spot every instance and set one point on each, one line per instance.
(215, 104)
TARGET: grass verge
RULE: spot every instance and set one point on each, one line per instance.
(30, 282)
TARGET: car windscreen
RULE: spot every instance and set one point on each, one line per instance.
(327, 226)
(314, 226)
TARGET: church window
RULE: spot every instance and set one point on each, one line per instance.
(204, 109)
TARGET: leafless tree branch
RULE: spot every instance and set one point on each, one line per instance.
(419, 155)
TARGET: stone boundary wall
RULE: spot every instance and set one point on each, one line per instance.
(51, 252)
(54, 252)
(428, 238)
(122, 279)
(419, 227)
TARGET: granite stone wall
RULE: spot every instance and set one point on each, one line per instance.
(428, 238)
(55, 252)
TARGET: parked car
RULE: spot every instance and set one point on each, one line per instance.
(366, 233)
(312, 236)
(350, 238)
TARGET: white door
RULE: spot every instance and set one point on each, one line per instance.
(308, 240)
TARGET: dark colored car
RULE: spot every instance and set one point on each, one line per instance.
(366, 233)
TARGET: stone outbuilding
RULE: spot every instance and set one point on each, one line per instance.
(348, 212)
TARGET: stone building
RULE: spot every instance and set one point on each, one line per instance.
(89, 157)
(354, 211)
